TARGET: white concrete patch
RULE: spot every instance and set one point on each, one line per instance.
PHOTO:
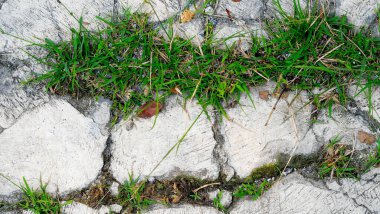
(53, 142)
(183, 209)
(250, 144)
(244, 9)
(140, 149)
(287, 6)
(361, 13)
(295, 194)
(78, 208)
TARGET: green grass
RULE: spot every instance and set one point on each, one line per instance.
(374, 158)
(131, 64)
(217, 202)
(252, 189)
(38, 201)
(131, 195)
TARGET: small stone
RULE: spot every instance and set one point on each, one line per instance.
(115, 208)
(365, 137)
(114, 188)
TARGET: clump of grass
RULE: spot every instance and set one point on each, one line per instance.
(38, 201)
(337, 161)
(255, 190)
(131, 194)
(374, 158)
(217, 202)
(131, 64)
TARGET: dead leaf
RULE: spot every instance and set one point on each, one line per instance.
(365, 137)
(149, 109)
(187, 15)
(236, 0)
(175, 90)
(229, 14)
(264, 95)
(176, 198)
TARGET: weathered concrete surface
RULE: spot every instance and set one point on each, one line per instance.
(361, 13)
(55, 142)
(47, 18)
(366, 100)
(138, 148)
(365, 192)
(183, 209)
(244, 9)
(287, 6)
(15, 98)
(251, 144)
(295, 194)
(78, 208)
(159, 10)
(341, 124)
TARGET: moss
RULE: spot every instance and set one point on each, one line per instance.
(266, 171)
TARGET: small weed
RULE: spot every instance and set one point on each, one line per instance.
(337, 161)
(131, 195)
(195, 196)
(38, 201)
(374, 158)
(254, 190)
(217, 202)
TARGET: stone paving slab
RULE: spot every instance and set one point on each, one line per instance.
(251, 144)
(138, 148)
(296, 194)
(182, 209)
(53, 142)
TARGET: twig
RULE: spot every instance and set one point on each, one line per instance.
(204, 186)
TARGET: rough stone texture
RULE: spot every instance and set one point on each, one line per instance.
(15, 98)
(238, 33)
(138, 149)
(342, 124)
(226, 197)
(295, 194)
(55, 142)
(362, 100)
(251, 144)
(47, 18)
(183, 209)
(159, 10)
(78, 208)
(365, 192)
(361, 13)
(244, 9)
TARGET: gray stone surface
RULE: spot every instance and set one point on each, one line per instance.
(244, 9)
(53, 142)
(37, 19)
(287, 6)
(361, 13)
(295, 194)
(78, 208)
(251, 144)
(183, 209)
(139, 148)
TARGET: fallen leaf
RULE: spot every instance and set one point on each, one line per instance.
(229, 14)
(149, 109)
(176, 198)
(236, 0)
(187, 15)
(365, 137)
(264, 95)
(175, 90)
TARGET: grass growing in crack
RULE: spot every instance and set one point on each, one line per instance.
(252, 189)
(217, 202)
(131, 195)
(338, 161)
(129, 63)
(374, 158)
(38, 201)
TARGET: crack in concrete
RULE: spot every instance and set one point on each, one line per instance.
(2, 2)
(373, 124)
(226, 172)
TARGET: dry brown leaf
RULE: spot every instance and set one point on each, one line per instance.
(187, 15)
(175, 90)
(365, 137)
(149, 109)
(264, 95)
(176, 199)
(236, 0)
